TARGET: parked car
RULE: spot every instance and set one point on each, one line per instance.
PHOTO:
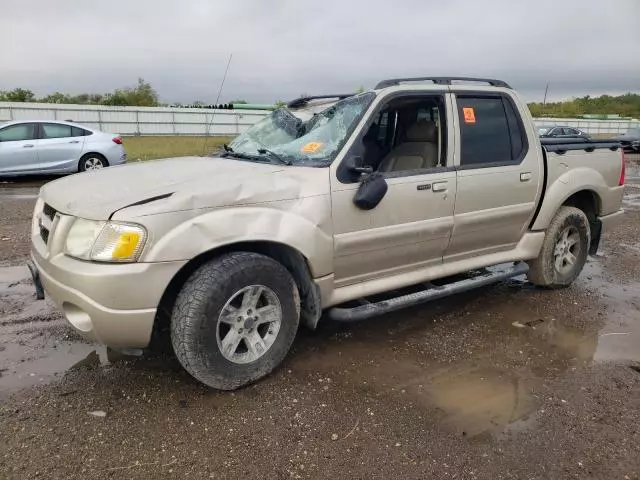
(52, 147)
(322, 206)
(561, 132)
(630, 140)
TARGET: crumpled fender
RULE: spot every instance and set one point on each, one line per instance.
(283, 223)
(567, 184)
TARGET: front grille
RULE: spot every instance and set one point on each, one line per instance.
(49, 211)
(44, 233)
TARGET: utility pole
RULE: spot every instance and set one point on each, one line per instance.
(544, 100)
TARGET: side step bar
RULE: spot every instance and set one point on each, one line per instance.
(486, 276)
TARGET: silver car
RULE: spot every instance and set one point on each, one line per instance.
(53, 147)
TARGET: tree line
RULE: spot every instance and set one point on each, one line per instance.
(627, 105)
(144, 95)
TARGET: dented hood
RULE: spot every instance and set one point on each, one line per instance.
(179, 184)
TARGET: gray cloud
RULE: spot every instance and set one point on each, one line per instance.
(282, 48)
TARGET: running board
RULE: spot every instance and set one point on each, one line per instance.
(486, 276)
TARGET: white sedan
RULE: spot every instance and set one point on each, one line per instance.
(52, 147)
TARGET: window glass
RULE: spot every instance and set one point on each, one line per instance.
(55, 130)
(484, 131)
(412, 142)
(383, 126)
(79, 132)
(315, 142)
(518, 140)
(16, 133)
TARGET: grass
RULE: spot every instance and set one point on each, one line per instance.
(149, 148)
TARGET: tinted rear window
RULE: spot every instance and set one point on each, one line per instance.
(79, 132)
(490, 131)
(55, 130)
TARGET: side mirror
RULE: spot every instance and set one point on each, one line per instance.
(371, 191)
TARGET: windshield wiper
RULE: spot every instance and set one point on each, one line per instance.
(274, 155)
(244, 156)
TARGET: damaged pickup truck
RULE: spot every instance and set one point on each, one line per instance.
(351, 205)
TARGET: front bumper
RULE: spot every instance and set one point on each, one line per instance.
(111, 304)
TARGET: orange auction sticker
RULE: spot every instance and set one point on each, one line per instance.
(312, 147)
(469, 115)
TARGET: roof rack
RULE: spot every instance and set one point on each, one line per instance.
(299, 102)
(440, 81)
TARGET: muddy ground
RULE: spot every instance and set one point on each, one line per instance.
(503, 382)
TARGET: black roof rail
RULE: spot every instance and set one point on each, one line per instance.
(299, 102)
(440, 81)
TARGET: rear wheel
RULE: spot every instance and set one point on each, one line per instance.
(92, 161)
(235, 319)
(564, 251)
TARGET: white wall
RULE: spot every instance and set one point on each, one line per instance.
(197, 121)
(590, 126)
(138, 120)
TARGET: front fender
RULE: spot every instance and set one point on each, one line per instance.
(567, 184)
(306, 228)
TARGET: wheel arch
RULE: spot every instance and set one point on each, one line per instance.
(293, 260)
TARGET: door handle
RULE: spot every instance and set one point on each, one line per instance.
(74, 141)
(525, 176)
(27, 146)
(439, 187)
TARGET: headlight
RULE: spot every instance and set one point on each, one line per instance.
(105, 241)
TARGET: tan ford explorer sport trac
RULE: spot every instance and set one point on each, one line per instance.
(320, 207)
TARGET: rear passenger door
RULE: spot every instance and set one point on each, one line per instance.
(59, 147)
(499, 175)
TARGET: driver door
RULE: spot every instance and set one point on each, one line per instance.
(411, 227)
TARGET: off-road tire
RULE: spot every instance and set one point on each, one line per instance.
(542, 270)
(199, 303)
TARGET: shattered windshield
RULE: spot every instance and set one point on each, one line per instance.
(314, 142)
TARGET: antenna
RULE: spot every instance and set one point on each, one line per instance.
(544, 100)
(206, 131)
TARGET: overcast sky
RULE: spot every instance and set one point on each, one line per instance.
(282, 48)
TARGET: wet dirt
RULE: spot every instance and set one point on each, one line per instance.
(508, 381)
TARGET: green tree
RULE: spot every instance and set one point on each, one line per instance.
(142, 95)
(627, 105)
(56, 97)
(17, 95)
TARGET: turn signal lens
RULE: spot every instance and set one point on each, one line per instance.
(119, 242)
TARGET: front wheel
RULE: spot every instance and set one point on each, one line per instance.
(235, 319)
(564, 250)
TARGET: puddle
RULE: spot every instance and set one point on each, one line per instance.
(24, 367)
(619, 338)
(480, 401)
(36, 344)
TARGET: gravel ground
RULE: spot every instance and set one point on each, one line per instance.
(504, 382)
